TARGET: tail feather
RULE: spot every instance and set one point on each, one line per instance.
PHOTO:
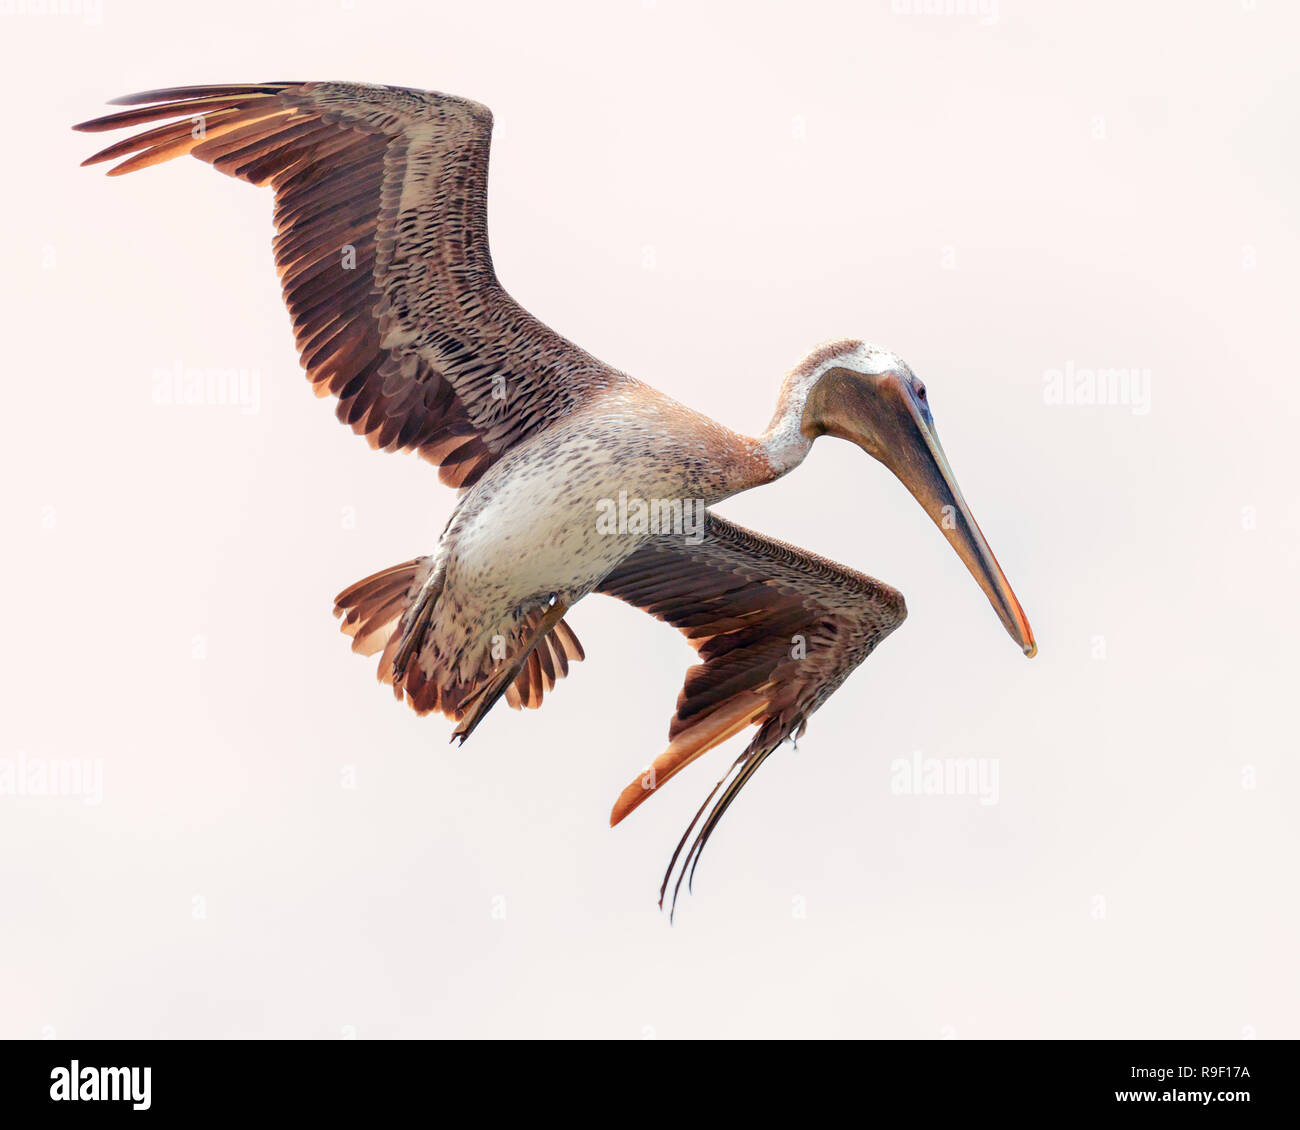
(392, 613)
(370, 609)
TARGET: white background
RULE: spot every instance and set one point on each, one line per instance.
(698, 196)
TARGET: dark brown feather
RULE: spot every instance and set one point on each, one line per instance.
(778, 629)
(337, 156)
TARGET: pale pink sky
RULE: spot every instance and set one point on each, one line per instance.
(696, 196)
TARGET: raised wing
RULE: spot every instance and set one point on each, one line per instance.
(382, 249)
(778, 630)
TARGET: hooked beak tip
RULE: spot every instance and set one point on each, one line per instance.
(1018, 626)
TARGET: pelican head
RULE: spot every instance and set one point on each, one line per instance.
(869, 396)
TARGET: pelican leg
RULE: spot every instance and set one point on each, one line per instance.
(478, 704)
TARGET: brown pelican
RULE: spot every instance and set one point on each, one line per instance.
(382, 249)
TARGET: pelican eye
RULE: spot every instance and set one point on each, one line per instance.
(920, 390)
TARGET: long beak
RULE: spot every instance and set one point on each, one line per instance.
(920, 464)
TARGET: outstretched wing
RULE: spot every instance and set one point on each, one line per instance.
(382, 249)
(778, 630)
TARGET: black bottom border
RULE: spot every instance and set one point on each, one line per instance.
(368, 1079)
